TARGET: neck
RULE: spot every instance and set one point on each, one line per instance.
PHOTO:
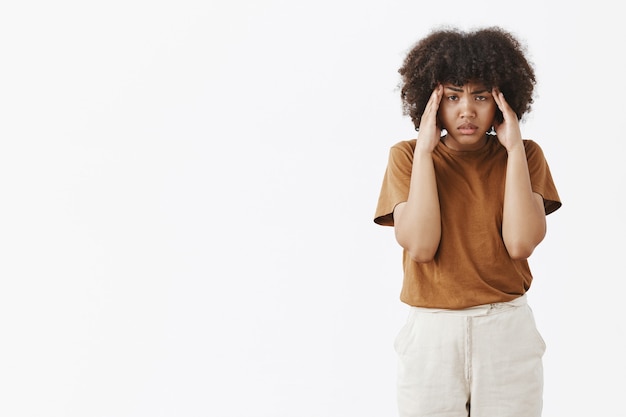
(456, 145)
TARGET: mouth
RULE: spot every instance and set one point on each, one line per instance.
(467, 128)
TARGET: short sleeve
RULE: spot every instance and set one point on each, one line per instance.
(541, 177)
(396, 182)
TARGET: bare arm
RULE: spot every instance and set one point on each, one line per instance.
(417, 222)
(524, 219)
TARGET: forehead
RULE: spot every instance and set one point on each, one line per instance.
(469, 85)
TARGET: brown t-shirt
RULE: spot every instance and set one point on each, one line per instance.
(471, 266)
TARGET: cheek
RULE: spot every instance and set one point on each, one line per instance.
(491, 112)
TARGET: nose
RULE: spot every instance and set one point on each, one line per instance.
(467, 108)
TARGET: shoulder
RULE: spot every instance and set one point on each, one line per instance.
(533, 150)
(404, 146)
(531, 145)
(403, 150)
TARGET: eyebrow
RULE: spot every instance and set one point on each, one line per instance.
(460, 90)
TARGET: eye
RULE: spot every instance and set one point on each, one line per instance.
(452, 98)
(481, 98)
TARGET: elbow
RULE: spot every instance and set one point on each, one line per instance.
(520, 246)
(420, 246)
(422, 255)
(419, 251)
(520, 251)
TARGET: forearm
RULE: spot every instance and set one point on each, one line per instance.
(524, 220)
(418, 221)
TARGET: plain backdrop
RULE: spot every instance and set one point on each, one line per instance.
(187, 191)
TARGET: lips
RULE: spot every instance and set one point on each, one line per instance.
(467, 128)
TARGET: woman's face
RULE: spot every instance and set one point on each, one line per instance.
(467, 112)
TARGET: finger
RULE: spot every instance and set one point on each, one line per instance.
(438, 93)
(429, 120)
(498, 97)
(435, 97)
(502, 104)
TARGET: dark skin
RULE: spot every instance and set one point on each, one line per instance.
(467, 112)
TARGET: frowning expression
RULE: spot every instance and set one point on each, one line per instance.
(467, 113)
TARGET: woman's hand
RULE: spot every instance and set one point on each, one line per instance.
(523, 215)
(417, 221)
(509, 133)
(430, 131)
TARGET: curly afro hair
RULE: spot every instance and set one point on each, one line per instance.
(491, 56)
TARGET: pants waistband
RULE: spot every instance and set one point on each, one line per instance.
(476, 310)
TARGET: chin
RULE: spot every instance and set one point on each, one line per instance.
(470, 140)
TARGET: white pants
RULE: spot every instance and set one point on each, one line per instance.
(483, 361)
